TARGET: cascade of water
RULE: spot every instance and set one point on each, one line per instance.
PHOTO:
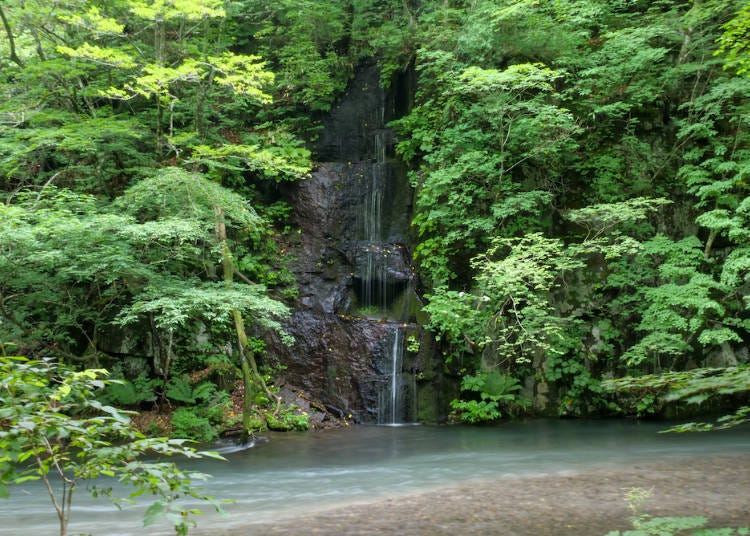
(352, 258)
(374, 284)
(391, 400)
(379, 259)
(397, 358)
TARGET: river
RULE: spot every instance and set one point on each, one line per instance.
(290, 474)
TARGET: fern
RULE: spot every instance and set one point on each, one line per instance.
(127, 393)
(179, 389)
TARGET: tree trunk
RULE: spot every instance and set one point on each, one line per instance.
(11, 41)
(251, 377)
(710, 242)
(160, 55)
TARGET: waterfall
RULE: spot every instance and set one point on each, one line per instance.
(392, 408)
(357, 291)
(385, 275)
(375, 291)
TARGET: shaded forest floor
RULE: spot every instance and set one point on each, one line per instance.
(581, 503)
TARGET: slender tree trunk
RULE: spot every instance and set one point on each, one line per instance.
(202, 94)
(160, 54)
(710, 242)
(157, 348)
(38, 43)
(251, 377)
(11, 41)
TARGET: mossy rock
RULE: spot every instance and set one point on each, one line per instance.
(288, 422)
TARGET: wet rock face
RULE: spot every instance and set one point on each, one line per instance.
(390, 260)
(348, 133)
(321, 263)
(353, 216)
(332, 360)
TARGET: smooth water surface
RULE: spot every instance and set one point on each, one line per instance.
(299, 472)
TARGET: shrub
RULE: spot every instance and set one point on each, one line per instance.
(186, 423)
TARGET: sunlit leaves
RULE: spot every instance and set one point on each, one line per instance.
(241, 74)
(509, 317)
(111, 57)
(176, 9)
(288, 162)
(603, 218)
(734, 43)
(93, 21)
(112, 63)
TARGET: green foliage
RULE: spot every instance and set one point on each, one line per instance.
(385, 29)
(646, 525)
(694, 386)
(510, 318)
(181, 390)
(611, 219)
(580, 170)
(131, 393)
(147, 262)
(72, 257)
(685, 306)
(733, 43)
(670, 526)
(207, 415)
(289, 418)
(497, 394)
(186, 422)
(306, 41)
(174, 193)
(412, 344)
(54, 427)
(478, 133)
(108, 97)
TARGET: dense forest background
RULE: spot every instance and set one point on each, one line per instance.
(579, 168)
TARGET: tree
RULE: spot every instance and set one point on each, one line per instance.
(55, 430)
(177, 194)
(108, 96)
(477, 133)
(153, 258)
(734, 43)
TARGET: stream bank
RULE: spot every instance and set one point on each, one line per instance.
(584, 502)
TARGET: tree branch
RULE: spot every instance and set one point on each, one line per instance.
(11, 41)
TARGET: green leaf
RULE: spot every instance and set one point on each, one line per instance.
(154, 512)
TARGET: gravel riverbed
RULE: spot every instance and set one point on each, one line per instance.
(582, 503)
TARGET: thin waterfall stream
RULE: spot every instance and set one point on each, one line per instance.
(357, 289)
(378, 291)
(396, 361)
(392, 408)
(380, 285)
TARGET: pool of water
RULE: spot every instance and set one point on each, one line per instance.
(287, 474)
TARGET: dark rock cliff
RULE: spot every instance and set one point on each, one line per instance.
(351, 258)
